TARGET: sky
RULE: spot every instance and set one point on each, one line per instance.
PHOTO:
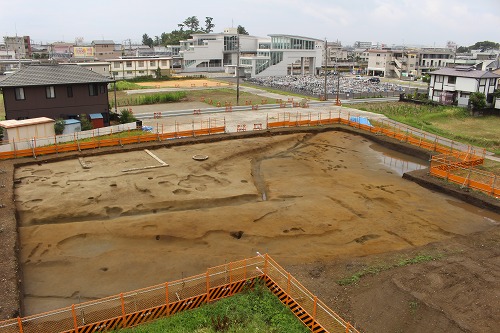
(390, 22)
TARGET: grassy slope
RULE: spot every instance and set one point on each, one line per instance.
(256, 311)
(450, 122)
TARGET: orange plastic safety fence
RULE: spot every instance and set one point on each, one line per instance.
(101, 143)
(147, 304)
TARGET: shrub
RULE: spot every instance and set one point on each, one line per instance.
(477, 100)
(126, 116)
(59, 126)
(85, 122)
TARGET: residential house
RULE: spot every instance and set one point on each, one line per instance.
(55, 91)
(454, 85)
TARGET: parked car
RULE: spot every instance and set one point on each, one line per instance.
(374, 80)
(358, 77)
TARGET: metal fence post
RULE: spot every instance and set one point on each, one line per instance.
(288, 289)
(74, 317)
(348, 328)
(124, 319)
(208, 287)
(315, 307)
(493, 185)
(266, 265)
(167, 302)
(20, 324)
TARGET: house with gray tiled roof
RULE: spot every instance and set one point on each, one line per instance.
(55, 91)
(454, 85)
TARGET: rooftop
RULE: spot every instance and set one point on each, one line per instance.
(44, 75)
(461, 71)
(25, 122)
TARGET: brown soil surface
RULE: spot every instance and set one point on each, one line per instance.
(184, 83)
(322, 205)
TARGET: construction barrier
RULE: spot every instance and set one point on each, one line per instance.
(148, 304)
(464, 173)
(97, 142)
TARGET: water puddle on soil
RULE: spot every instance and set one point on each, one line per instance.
(397, 161)
(489, 216)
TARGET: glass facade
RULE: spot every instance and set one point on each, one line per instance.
(230, 43)
(290, 43)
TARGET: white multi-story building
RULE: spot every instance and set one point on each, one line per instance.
(454, 85)
(131, 67)
(283, 55)
(403, 63)
(278, 55)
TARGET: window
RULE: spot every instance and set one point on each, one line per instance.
(116, 65)
(152, 63)
(102, 89)
(141, 63)
(20, 94)
(93, 89)
(164, 63)
(129, 64)
(439, 78)
(70, 91)
(452, 79)
(50, 92)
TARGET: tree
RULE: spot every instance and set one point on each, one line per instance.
(85, 122)
(59, 126)
(209, 26)
(477, 100)
(462, 49)
(192, 23)
(242, 30)
(485, 45)
(146, 40)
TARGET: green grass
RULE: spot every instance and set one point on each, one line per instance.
(454, 123)
(375, 269)
(146, 99)
(126, 85)
(256, 310)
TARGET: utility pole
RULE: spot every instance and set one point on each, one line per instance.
(238, 69)
(337, 101)
(326, 66)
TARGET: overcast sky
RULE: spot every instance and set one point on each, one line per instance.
(400, 22)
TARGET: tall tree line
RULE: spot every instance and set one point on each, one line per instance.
(483, 46)
(189, 26)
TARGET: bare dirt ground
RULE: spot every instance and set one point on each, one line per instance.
(321, 204)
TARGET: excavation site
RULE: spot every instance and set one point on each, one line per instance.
(95, 226)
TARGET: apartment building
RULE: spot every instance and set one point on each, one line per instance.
(19, 46)
(407, 63)
(131, 67)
